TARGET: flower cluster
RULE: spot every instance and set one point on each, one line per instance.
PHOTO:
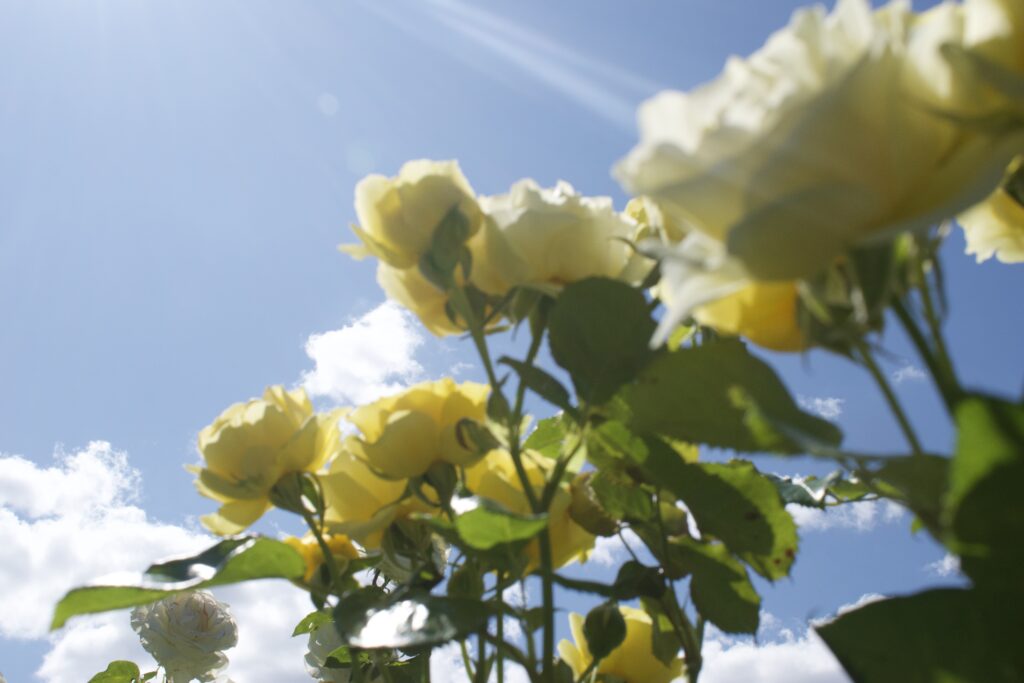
(791, 202)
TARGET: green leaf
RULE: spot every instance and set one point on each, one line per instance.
(807, 491)
(118, 672)
(985, 508)
(466, 582)
(704, 394)
(938, 636)
(740, 506)
(541, 383)
(720, 588)
(612, 445)
(605, 629)
(547, 437)
(446, 250)
(484, 524)
(665, 643)
(311, 622)
(599, 331)
(586, 510)
(367, 619)
(920, 482)
(233, 560)
(620, 496)
(637, 580)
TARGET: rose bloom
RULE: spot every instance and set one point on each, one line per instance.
(996, 226)
(186, 633)
(251, 445)
(632, 661)
(419, 296)
(495, 478)
(402, 435)
(398, 216)
(842, 129)
(340, 546)
(361, 504)
(765, 313)
(548, 238)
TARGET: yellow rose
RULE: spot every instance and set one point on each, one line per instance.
(401, 436)
(632, 661)
(993, 31)
(361, 504)
(547, 238)
(764, 312)
(843, 128)
(409, 288)
(398, 216)
(340, 546)
(495, 477)
(996, 226)
(250, 446)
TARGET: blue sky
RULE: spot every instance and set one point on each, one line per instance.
(175, 178)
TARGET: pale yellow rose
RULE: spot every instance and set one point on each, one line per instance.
(339, 544)
(251, 446)
(361, 504)
(994, 49)
(632, 661)
(398, 216)
(424, 300)
(763, 312)
(996, 226)
(844, 128)
(402, 435)
(547, 238)
(495, 478)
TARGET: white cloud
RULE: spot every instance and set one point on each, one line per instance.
(71, 523)
(804, 659)
(862, 516)
(829, 407)
(64, 525)
(908, 373)
(948, 565)
(610, 551)
(371, 357)
(781, 657)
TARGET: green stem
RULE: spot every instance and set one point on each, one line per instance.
(934, 323)
(466, 660)
(946, 383)
(548, 597)
(586, 672)
(890, 396)
(500, 630)
(332, 564)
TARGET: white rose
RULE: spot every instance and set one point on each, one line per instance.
(186, 634)
(843, 128)
(548, 237)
